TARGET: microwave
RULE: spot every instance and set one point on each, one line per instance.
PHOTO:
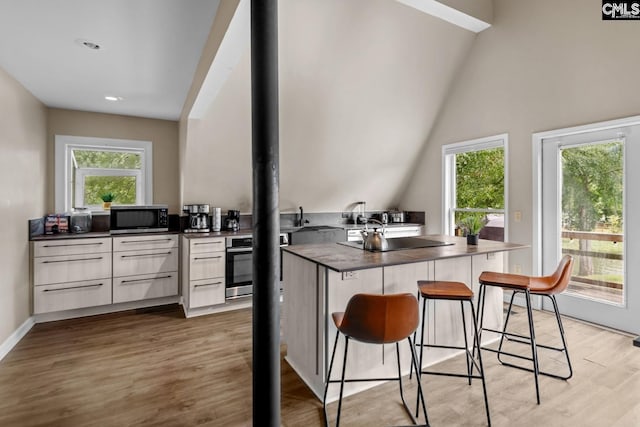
(139, 219)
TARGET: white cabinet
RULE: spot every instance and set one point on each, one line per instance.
(145, 267)
(71, 273)
(203, 264)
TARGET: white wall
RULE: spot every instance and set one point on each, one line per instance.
(544, 65)
(23, 175)
(361, 84)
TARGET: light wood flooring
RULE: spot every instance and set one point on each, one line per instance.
(155, 368)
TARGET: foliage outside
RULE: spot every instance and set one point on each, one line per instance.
(592, 201)
(122, 188)
(480, 179)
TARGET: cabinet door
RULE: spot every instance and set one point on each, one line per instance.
(205, 244)
(493, 313)
(154, 261)
(206, 266)
(404, 279)
(71, 247)
(206, 292)
(447, 315)
(148, 286)
(136, 243)
(71, 268)
(68, 296)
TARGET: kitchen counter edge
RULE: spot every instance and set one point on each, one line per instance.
(342, 258)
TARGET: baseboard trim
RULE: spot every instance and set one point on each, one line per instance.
(15, 337)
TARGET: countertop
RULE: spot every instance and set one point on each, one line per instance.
(344, 258)
(284, 229)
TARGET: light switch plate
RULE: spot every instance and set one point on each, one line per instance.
(349, 275)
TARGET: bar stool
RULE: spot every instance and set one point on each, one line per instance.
(453, 291)
(376, 319)
(547, 286)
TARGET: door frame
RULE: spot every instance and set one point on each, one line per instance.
(537, 144)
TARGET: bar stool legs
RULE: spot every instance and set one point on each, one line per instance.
(395, 318)
(452, 291)
(528, 340)
(342, 380)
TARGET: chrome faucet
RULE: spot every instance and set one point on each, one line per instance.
(302, 221)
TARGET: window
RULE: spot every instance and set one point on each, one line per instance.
(87, 168)
(475, 184)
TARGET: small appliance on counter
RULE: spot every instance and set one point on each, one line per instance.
(397, 216)
(232, 221)
(80, 220)
(139, 219)
(198, 221)
(216, 221)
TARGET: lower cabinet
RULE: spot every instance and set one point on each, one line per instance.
(71, 274)
(146, 273)
(203, 280)
(145, 286)
(75, 273)
(69, 296)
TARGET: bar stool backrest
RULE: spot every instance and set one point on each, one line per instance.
(380, 319)
(559, 280)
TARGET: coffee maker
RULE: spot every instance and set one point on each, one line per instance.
(232, 221)
(198, 220)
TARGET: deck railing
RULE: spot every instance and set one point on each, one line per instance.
(588, 236)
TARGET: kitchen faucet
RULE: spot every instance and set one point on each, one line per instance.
(302, 221)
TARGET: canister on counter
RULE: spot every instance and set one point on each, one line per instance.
(215, 219)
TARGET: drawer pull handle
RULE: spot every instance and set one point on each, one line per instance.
(146, 241)
(71, 260)
(137, 255)
(145, 280)
(73, 287)
(207, 284)
(207, 243)
(207, 257)
(73, 244)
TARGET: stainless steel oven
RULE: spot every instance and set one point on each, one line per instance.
(239, 265)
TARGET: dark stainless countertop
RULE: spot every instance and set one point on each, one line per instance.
(340, 258)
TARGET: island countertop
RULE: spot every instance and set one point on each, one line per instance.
(341, 258)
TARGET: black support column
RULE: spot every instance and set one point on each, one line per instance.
(266, 214)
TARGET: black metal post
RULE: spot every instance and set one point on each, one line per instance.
(266, 214)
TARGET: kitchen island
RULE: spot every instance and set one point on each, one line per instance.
(320, 279)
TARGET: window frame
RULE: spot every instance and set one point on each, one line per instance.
(449, 152)
(63, 171)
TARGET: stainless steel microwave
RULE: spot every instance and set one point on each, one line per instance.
(139, 219)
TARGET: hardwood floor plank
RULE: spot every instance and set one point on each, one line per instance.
(155, 368)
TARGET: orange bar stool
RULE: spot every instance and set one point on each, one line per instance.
(547, 286)
(453, 291)
(376, 319)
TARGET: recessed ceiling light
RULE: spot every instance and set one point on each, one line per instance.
(88, 44)
(113, 98)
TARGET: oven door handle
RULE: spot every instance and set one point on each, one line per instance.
(236, 250)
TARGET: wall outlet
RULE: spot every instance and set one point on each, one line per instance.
(491, 255)
(517, 269)
(349, 275)
(517, 216)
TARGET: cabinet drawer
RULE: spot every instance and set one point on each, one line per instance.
(135, 288)
(71, 268)
(68, 296)
(136, 243)
(206, 266)
(206, 292)
(71, 247)
(202, 245)
(154, 261)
